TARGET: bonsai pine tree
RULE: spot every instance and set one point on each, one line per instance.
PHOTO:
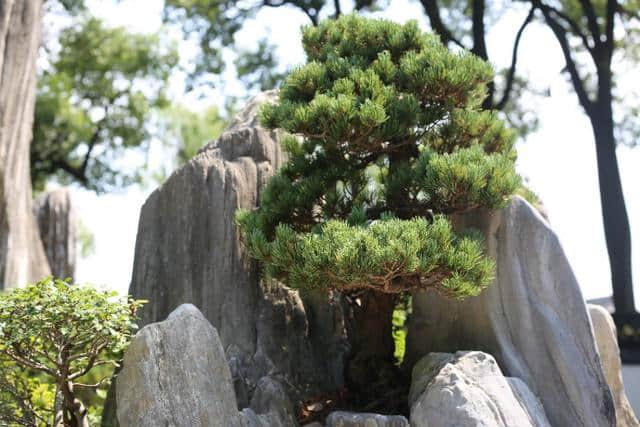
(386, 138)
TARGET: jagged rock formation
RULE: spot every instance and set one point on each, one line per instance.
(533, 319)
(467, 389)
(604, 330)
(175, 374)
(22, 257)
(188, 251)
(354, 419)
(56, 217)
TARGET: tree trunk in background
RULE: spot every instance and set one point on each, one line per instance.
(22, 257)
(614, 212)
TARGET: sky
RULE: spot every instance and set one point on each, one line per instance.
(558, 160)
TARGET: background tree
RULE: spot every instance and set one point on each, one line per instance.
(393, 138)
(61, 332)
(95, 99)
(590, 33)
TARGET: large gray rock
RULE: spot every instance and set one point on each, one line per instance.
(175, 374)
(605, 332)
(56, 216)
(467, 389)
(532, 319)
(22, 258)
(360, 419)
(188, 251)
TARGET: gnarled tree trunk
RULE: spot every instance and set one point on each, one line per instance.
(22, 258)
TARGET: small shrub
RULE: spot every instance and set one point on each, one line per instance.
(53, 337)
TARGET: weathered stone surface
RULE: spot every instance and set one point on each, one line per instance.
(604, 330)
(533, 319)
(56, 217)
(188, 251)
(22, 258)
(271, 403)
(467, 389)
(175, 374)
(355, 419)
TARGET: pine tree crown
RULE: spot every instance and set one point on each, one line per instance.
(385, 138)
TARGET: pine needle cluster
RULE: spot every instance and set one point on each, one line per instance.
(386, 139)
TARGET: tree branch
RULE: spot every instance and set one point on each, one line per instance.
(575, 28)
(313, 17)
(514, 59)
(592, 19)
(71, 170)
(477, 28)
(612, 7)
(338, 12)
(433, 12)
(561, 36)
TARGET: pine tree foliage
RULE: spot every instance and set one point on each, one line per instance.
(389, 138)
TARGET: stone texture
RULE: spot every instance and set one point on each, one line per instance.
(271, 403)
(22, 257)
(175, 374)
(355, 419)
(467, 389)
(56, 217)
(188, 251)
(605, 332)
(533, 319)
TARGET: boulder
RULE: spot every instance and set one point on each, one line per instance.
(188, 251)
(605, 332)
(532, 319)
(175, 374)
(361, 419)
(56, 217)
(22, 257)
(468, 389)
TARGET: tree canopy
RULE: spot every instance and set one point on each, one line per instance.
(393, 137)
(94, 102)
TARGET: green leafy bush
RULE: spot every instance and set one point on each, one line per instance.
(53, 337)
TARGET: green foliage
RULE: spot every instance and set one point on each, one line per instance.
(189, 131)
(390, 255)
(94, 100)
(213, 25)
(85, 240)
(399, 319)
(392, 137)
(16, 403)
(58, 334)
